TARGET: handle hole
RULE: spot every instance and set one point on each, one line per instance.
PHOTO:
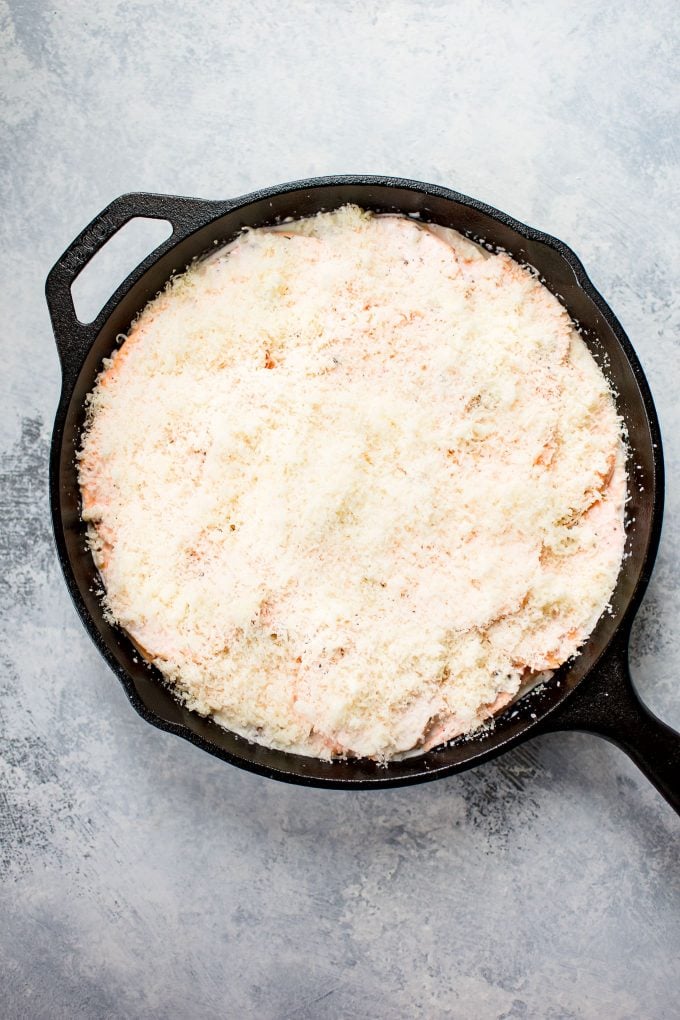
(95, 284)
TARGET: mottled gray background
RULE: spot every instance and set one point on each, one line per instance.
(140, 877)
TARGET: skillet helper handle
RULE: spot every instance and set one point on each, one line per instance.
(185, 215)
(610, 706)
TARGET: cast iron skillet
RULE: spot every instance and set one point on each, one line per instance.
(593, 692)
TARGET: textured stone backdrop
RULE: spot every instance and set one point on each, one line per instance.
(140, 877)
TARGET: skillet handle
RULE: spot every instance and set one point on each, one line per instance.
(607, 703)
(186, 215)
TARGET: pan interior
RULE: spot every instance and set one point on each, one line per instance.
(563, 275)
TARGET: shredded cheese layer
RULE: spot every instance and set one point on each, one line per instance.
(351, 481)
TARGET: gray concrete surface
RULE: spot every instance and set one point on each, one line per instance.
(140, 877)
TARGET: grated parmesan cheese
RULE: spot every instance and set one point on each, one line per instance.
(353, 481)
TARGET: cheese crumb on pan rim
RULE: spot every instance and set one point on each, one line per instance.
(352, 483)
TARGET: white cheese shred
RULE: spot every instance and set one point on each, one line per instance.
(351, 483)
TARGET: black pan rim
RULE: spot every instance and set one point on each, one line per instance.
(382, 779)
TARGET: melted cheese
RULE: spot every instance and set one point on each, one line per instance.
(350, 481)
